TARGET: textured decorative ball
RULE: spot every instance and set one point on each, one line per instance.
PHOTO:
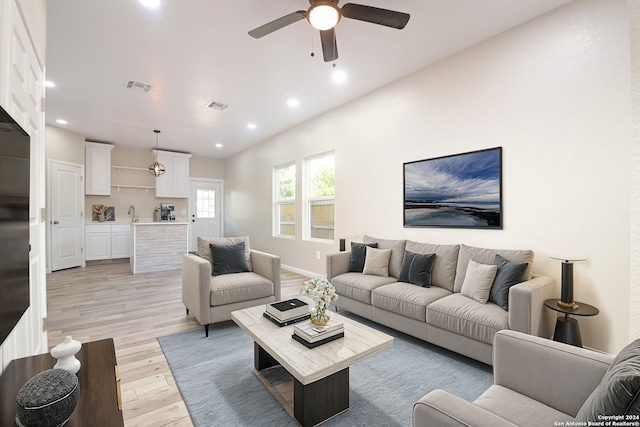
(48, 399)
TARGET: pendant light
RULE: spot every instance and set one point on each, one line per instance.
(156, 168)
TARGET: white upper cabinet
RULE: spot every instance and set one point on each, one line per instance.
(174, 182)
(98, 168)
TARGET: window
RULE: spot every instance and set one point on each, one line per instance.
(205, 203)
(320, 196)
(285, 200)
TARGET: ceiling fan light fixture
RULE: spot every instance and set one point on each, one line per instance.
(156, 169)
(323, 15)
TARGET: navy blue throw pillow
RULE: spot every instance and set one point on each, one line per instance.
(416, 268)
(509, 273)
(228, 259)
(358, 255)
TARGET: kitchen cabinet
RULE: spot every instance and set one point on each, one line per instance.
(174, 182)
(120, 241)
(106, 241)
(98, 168)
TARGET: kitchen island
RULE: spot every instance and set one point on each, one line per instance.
(158, 246)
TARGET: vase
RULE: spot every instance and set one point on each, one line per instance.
(319, 314)
(65, 353)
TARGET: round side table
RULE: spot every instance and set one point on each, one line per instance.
(567, 329)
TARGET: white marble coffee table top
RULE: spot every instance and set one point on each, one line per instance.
(305, 364)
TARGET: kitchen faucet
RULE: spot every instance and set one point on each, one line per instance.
(132, 209)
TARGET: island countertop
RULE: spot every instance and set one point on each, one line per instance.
(161, 223)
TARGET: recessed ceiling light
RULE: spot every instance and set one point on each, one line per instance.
(339, 76)
(251, 126)
(48, 83)
(152, 4)
(218, 145)
(293, 102)
(61, 122)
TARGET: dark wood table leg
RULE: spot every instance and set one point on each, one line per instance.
(321, 400)
(567, 331)
(262, 359)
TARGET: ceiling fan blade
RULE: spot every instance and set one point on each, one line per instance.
(375, 15)
(329, 45)
(276, 24)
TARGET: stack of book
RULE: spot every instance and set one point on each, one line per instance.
(312, 336)
(284, 313)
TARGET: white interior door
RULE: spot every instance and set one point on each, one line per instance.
(66, 220)
(205, 209)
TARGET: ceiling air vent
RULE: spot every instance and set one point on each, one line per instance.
(217, 105)
(138, 86)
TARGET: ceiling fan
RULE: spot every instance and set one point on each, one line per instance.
(325, 14)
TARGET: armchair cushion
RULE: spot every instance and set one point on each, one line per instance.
(230, 288)
(204, 251)
(619, 391)
(228, 259)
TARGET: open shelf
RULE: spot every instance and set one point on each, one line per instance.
(145, 187)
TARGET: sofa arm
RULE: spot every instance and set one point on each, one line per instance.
(267, 265)
(558, 375)
(440, 408)
(337, 264)
(196, 286)
(527, 312)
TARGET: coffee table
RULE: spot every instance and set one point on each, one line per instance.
(321, 374)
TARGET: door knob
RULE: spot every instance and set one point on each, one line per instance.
(56, 222)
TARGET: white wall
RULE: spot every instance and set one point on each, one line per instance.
(554, 93)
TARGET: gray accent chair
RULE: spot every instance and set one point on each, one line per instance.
(537, 382)
(211, 299)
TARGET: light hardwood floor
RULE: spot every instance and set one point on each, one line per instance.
(105, 300)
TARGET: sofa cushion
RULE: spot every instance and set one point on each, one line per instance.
(406, 299)
(444, 266)
(486, 256)
(377, 262)
(203, 250)
(509, 274)
(478, 281)
(467, 317)
(228, 259)
(358, 254)
(416, 268)
(230, 288)
(397, 252)
(619, 391)
(358, 286)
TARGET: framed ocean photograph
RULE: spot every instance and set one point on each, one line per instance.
(457, 191)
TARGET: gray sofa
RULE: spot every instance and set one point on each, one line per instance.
(539, 382)
(441, 313)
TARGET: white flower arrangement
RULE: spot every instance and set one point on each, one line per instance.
(321, 291)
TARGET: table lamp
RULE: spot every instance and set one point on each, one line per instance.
(566, 294)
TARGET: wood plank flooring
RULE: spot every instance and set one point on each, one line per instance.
(105, 300)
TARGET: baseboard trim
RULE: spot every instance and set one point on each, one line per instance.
(302, 272)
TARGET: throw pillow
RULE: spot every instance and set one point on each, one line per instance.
(619, 391)
(416, 268)
(203, 250)
(478, 280)
(376, 262)
(358, 253)
(509, 274)
(228, 259)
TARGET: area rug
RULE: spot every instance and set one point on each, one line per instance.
(215, 377)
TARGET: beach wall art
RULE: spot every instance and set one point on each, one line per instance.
(457, 191)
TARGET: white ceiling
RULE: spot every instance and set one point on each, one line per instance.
(195, 51)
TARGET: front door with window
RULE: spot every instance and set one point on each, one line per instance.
(205, 210)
